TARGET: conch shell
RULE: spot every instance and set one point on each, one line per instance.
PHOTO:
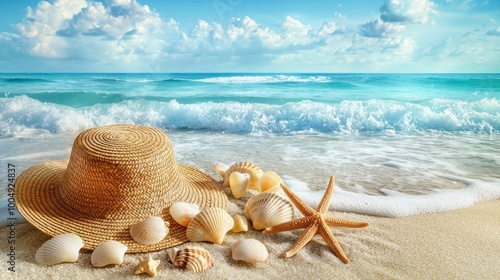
(150, 231)
(108, 252)
(183, 212)
(59, 249)
(192, 258)
(211, 225)
(268, 209)
(269, 182)
(249, 250)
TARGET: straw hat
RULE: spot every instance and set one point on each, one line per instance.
(116, 176)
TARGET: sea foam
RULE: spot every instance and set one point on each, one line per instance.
(21, 113)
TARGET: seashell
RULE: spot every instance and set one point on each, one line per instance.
(59, 249)
(220, 168)
(269, 182)
(192, 258)
(268, 209)
(108, 252)
(150, 231)
(244, 167)
(249, 250)
(184, 212)
(238, 183)
(240, 223)
(211, 225)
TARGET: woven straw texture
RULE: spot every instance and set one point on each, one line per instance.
(116, 176)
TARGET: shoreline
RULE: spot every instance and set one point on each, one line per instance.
(459, 244)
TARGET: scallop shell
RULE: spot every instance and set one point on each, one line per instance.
(238, 183)
(211, 225)
(59, 249)
(220, 168)
(184, 212)
(192, 258)
(108, 252)
(150, 231)
(249, 250)
(268, 209)
(269, 182)
(240, 223)
(244, 167)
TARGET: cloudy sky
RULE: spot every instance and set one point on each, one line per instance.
(250, 36)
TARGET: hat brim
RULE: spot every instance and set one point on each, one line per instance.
(37, 201)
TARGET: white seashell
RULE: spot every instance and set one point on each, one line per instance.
(184, 212)
(269, 182)
(150, 231)
(244, 167)
(240, 223)
(108, 252)
(192, 258)
(59, 249)
(220, 168)
(211, 225)
(249, 250)
(238, 183)
(268, 209)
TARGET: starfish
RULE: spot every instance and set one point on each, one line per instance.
(147, 266)
(315, 222)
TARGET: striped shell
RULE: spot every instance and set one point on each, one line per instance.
(249, 250)
(211, 225)
(244, 167)
(108, 252)
(150, 231)
(191, 258)
(268, 209)
(59, 249)
(184, 212)
(269, 182)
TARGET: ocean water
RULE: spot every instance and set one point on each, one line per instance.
(394, 142)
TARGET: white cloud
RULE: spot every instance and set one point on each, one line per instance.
(411, 11)
(378, 29)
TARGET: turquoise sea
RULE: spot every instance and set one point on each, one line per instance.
(381, 135)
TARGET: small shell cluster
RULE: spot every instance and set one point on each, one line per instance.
(108, 253)
(245, 175)
(59, 249)
(191, 258)
(150, 231)
(211, 225)
(249, 250)
(268, 209)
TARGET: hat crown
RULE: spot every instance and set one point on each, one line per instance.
(121, 170)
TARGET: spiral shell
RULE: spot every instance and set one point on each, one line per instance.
(268, 209)
(108, 252)
(150, 231)
(211, 225)
(249, 250)
(184, 212)
(269, 182)
(59, 249)
(238, 183)
(244, 167)
(192, 258)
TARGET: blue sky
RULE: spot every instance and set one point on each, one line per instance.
(250, 36)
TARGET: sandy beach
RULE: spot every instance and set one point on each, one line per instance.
(460, 244)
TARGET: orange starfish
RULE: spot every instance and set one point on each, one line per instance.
(315, 222)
